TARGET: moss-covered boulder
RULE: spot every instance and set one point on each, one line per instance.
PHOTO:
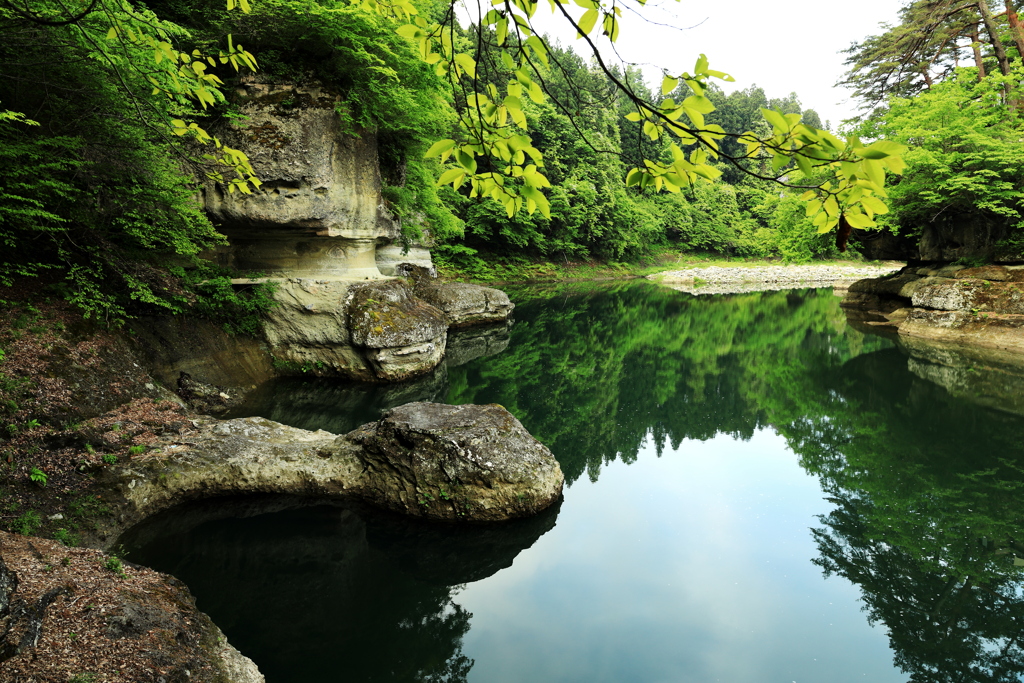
(401, 335)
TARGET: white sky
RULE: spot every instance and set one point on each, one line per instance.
(784, 46)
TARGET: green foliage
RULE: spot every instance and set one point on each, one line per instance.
(965, 163)
(114, 565)
(211, 295)
(68, 538)
(37, 476)
(27, 523)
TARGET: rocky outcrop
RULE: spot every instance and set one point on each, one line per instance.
(947, 238)
(76, 614)
(465, 304)
(319, 210)
(374, 331)
(981, 306)
(474, 463)
(456, 462)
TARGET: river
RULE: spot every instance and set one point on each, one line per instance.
(756, 492)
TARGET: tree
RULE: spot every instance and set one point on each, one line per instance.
(494, 154)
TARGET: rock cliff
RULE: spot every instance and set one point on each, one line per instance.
(982, 306)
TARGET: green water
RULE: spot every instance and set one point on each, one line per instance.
(756, 492)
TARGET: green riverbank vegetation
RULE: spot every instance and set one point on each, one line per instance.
(109, 111)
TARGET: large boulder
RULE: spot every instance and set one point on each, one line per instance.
(469, 462)
(401, 336)
(465, 304)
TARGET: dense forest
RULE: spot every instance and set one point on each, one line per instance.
(99, 193)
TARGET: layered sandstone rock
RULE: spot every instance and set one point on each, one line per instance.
(981, 306)
(319, 210)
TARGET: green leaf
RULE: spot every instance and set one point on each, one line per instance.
(467, 63)
(633, 116)
(586, 22)
(858, 220)
(438, 148)
(466, 160)
(453, 176)
(776, 119)
(881, 150)
(699, 103)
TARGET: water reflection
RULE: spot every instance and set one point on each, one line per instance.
(328, 592)
(917, 448)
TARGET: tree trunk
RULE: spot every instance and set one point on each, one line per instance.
(978, 61)
(1015, 27)
(993, 32)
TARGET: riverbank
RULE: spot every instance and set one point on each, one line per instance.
(731, 279)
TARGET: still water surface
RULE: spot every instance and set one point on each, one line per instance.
(756, 493)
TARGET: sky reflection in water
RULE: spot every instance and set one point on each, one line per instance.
(678, 569)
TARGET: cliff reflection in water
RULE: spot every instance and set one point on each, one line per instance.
(321, 592)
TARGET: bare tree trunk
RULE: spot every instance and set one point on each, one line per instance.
(978, 61)
(1015, 27)
(993, 32)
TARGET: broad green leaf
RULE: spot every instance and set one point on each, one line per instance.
(467, 63)
(858, 220)
(633, 116)
(439, 148)
(586, 22)
(777, 120)
(453, 176)
(699, 103)
(875, 204)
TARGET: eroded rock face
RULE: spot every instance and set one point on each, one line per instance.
(480, 457)
(373, 331)
(465, 462)
(319, 210)
(465, 304)
(68, 611)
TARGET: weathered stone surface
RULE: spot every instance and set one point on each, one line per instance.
(402, 336)
(316, 180)
(465, 304)
(391, 257)
(176, 344)
(991, 272)
(456, 462)
(319, 211)
(994, 331)
(970, 295)
(242, 456)
(64, 613)
(885, 286)
(481, 457)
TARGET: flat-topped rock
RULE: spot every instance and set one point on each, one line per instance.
(465, 304)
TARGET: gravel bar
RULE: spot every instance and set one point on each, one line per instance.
(728, 280)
